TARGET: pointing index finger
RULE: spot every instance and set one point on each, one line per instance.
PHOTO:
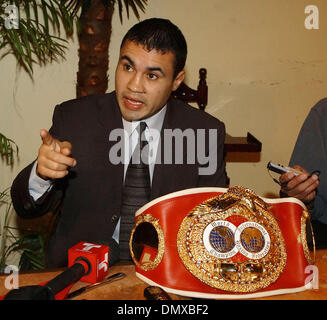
(46, 137)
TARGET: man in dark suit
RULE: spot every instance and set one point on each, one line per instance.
(76, 166)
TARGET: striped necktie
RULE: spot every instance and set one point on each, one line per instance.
(136, 191)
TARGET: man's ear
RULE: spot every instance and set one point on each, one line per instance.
(178, 80)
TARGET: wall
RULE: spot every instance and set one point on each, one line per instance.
(265, 71)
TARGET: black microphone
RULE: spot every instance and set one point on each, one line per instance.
(71, 275)
(82, 266)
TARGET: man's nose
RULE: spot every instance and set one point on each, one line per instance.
(136, 84)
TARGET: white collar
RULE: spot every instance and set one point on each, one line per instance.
(154, 122)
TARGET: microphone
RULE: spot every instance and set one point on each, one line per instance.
(88, 262)
(93, 257)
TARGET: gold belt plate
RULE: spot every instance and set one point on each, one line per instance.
(232, 242)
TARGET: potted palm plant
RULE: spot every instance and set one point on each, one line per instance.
(42, 28)
(37, 32)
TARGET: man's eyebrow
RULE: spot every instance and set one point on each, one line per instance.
(156, 69)
(125, 57)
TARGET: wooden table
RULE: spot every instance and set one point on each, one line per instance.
(131, 287)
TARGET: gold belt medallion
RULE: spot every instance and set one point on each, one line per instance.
(232, 242)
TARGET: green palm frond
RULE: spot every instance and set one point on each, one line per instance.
(7, 149)
(39, 38)
(5, 206)
(135, 5)
(82, 5)
(31, 245)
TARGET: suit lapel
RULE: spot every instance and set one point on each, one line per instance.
(170, 177)
(109, 117)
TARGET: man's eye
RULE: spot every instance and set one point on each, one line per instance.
(128, 67)
(152, 76)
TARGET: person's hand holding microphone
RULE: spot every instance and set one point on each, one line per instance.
(54, 157)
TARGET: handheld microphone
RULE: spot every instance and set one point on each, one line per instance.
(87, 262)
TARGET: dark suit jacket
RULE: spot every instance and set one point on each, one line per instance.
(90, 195)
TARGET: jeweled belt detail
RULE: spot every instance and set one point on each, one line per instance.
(232, 242)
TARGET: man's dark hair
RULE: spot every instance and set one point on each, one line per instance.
(161, 35)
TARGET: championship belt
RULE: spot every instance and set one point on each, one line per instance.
(222, 244)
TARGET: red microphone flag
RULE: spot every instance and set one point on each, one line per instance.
(97, 255)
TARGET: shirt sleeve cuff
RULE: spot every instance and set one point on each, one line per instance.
(36, 185)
